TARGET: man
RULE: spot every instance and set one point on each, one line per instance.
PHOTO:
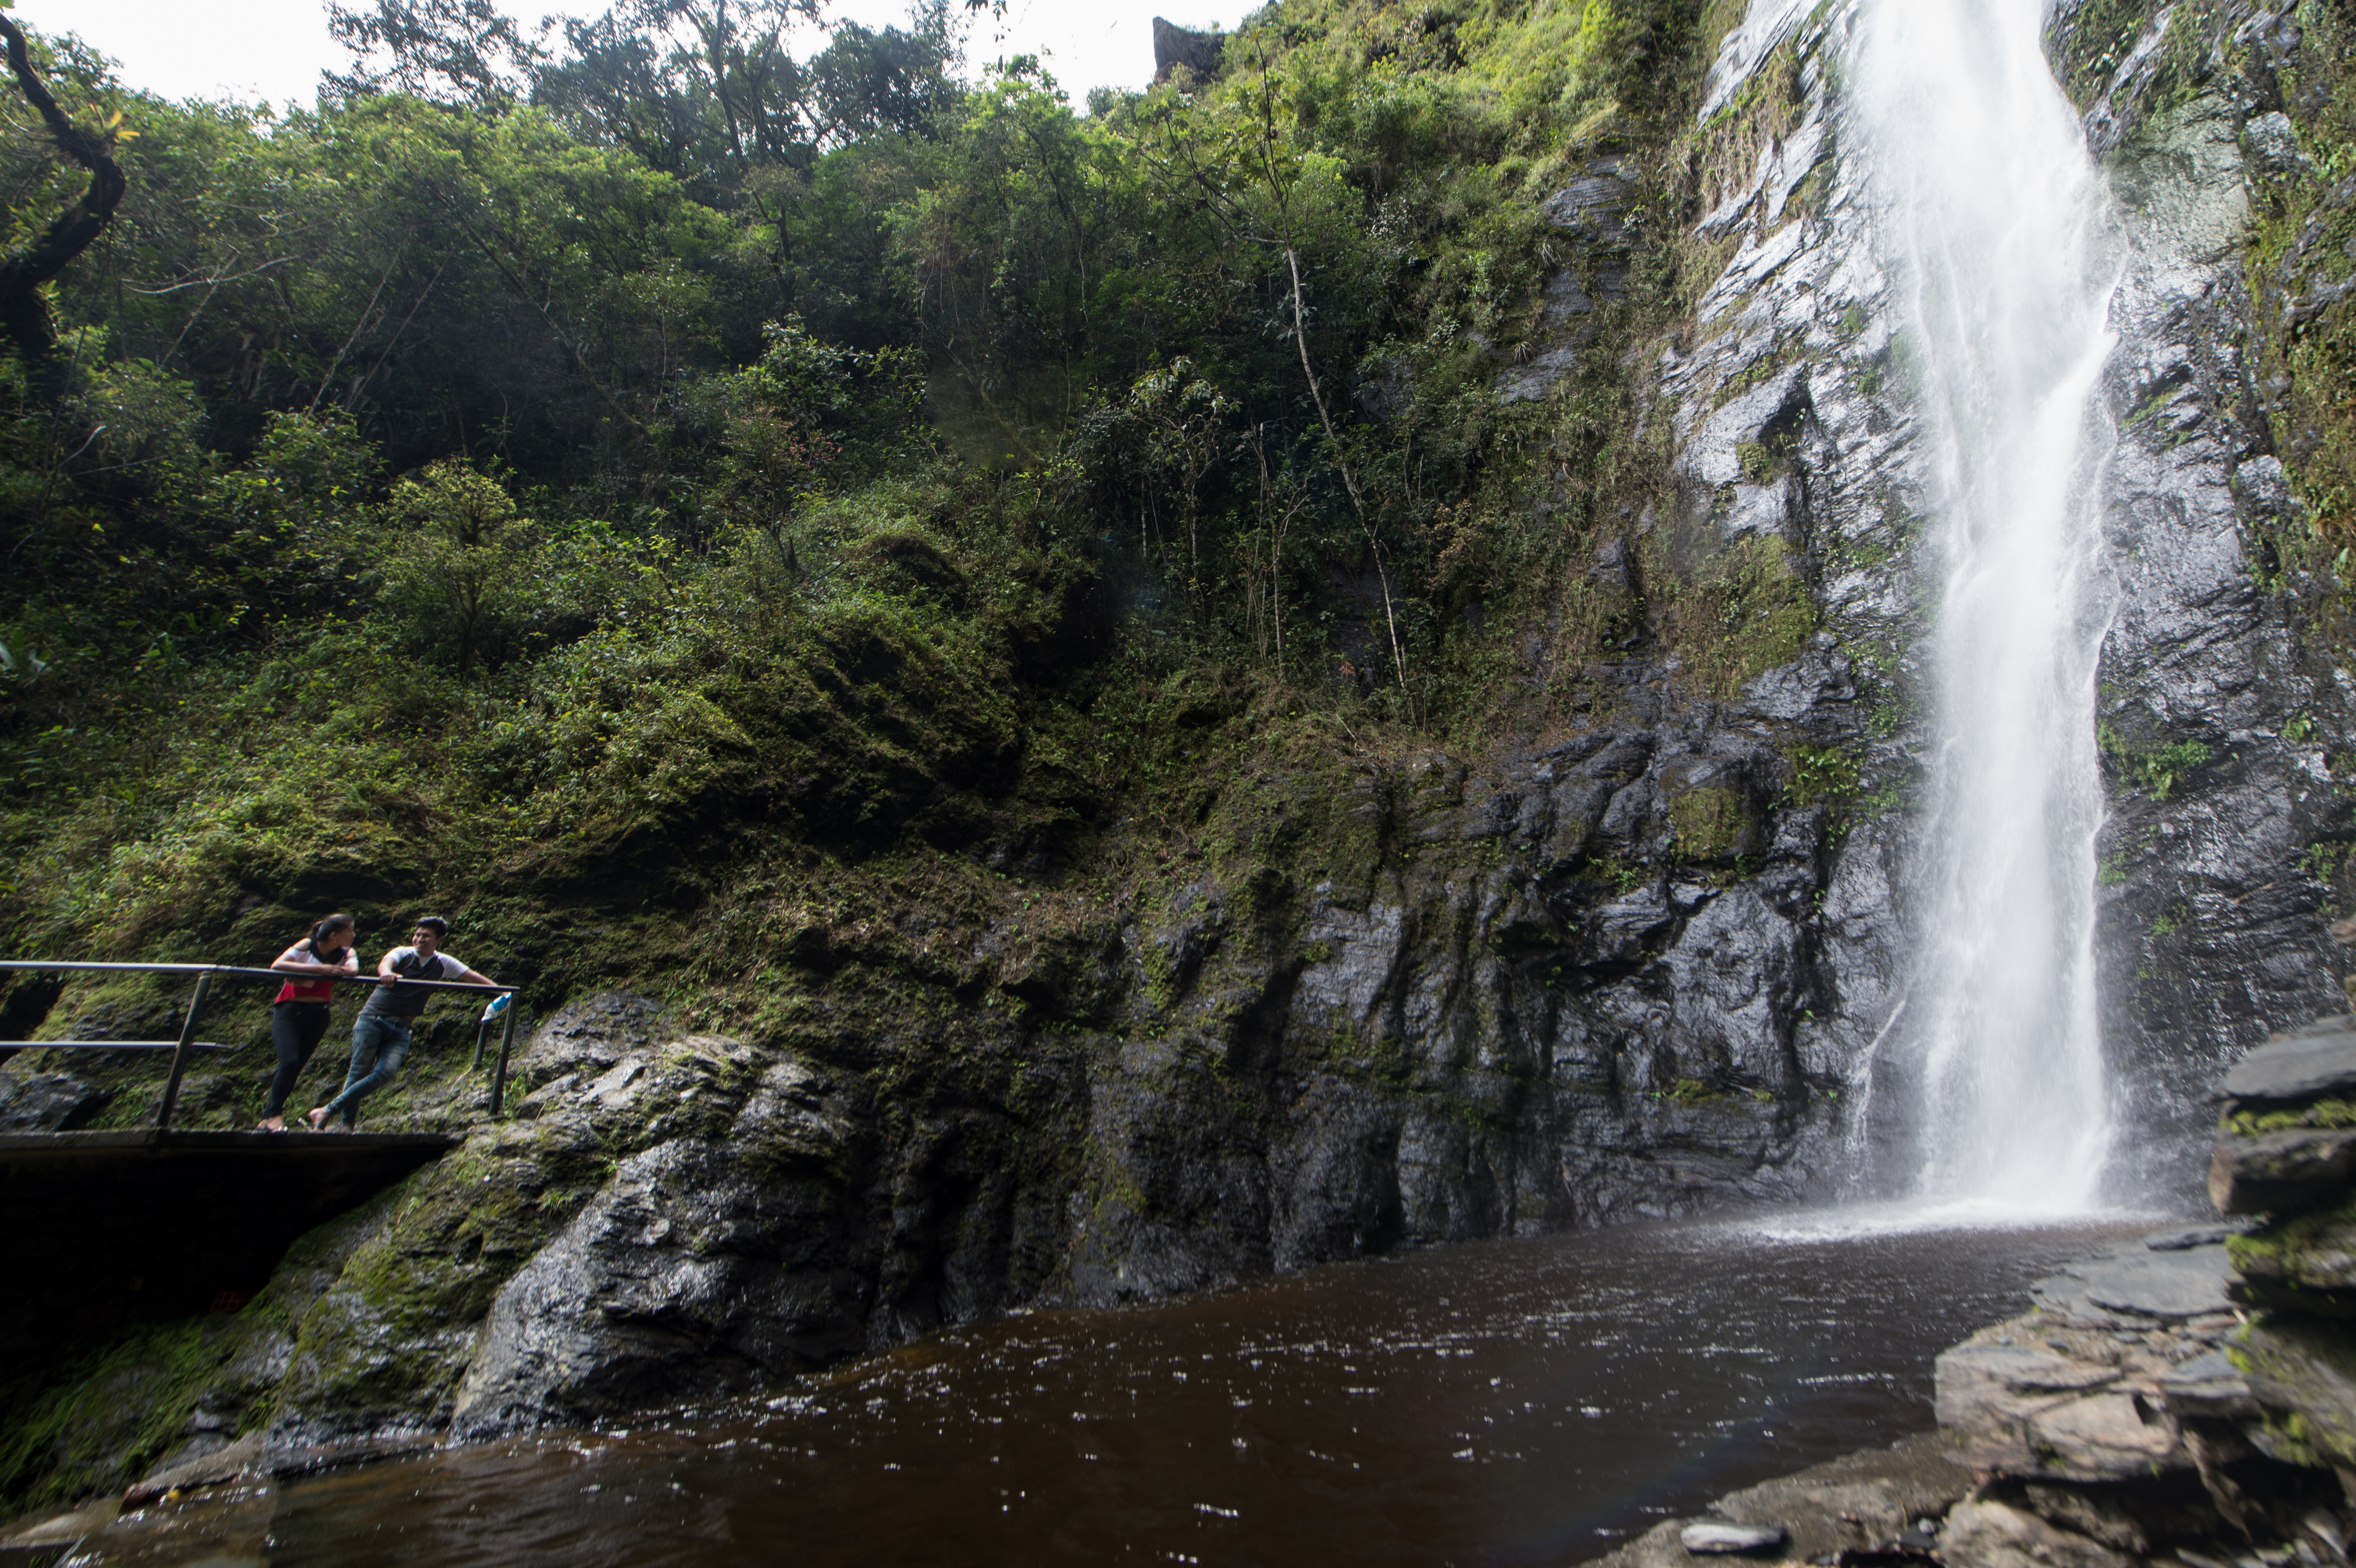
(381, 1033)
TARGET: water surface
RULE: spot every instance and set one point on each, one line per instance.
(1502, 1403)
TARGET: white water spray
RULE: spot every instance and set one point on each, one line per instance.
(1996, 221)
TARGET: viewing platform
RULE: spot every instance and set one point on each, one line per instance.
(153, 1223)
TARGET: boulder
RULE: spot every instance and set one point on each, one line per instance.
(2038, 1399)
(706, 1266)
(1996, 1535)
(2290, 1169)
(2138, 1517)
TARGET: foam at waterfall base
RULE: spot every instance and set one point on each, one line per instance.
(1912, 1216)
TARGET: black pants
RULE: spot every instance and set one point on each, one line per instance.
(295, 1029)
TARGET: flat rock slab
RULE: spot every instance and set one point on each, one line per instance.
(2301, 1064)
(2080, 1396)
(2191, 1236)
(227, 1526)
(2208, 1386)
(2187, 1282)
(228, 1462)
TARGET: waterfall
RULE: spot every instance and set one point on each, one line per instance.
(1999, 232)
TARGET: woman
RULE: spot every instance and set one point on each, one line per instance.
(299, 1017)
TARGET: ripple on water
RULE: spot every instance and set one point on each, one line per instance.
(1500, 1403)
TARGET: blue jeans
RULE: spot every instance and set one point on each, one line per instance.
(379, 1041)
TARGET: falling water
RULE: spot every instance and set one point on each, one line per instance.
(1998, 226)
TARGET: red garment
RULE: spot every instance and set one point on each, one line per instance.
(312, 990)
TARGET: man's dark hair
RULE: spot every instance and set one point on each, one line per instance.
(434, 923)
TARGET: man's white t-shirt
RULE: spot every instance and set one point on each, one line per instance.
(411, 964)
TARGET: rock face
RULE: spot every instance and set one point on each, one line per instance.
(1295, 1081)
(47, 1102)
(1174, 46)
(2217, 719)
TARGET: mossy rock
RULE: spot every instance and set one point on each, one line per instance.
(1739, 613)
(2304, 1376)
(113, 1413)
(2306, 1263)
(1712, 824)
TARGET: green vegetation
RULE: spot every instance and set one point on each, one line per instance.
(129, 1398)
(2323, 1113)
(2296, 265)
(1739, 613)
(1821, 775)
(847, 484)
(1687, 1091)
(2089, 43)
(2156, 770)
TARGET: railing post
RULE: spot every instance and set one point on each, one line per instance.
(507, 1040)
(180, 1057)
(482, 1025)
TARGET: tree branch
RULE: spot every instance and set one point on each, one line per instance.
(1341, 462)
(24, 312)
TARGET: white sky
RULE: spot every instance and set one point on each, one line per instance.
(277, 48)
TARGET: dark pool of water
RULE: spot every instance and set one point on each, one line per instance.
(1505, 1403)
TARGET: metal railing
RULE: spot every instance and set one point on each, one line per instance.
(187, 1045)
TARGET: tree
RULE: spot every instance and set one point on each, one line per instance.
(1154, 449)
(459, 553)
(708, 90)
(1248, 167)
(461, 50)
(24, 308)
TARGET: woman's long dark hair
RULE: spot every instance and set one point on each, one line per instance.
(332, 923)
